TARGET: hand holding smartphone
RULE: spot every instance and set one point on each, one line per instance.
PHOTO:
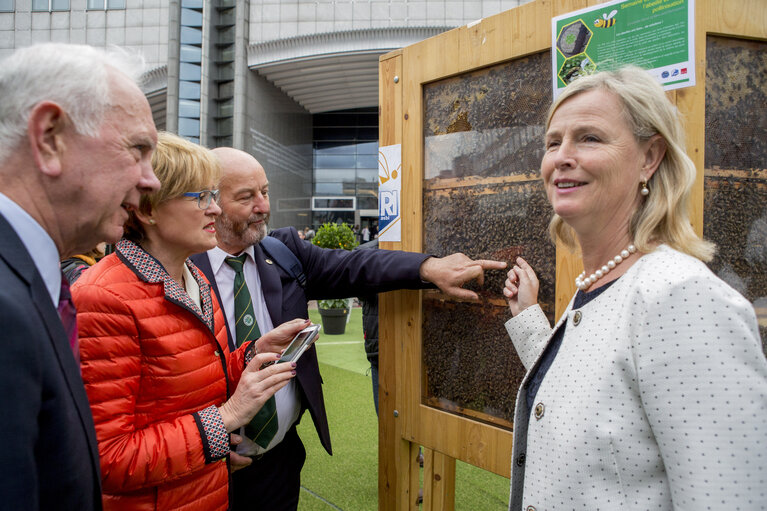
(300, 344)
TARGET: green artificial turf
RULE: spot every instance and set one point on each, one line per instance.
(348, 480)
(346, 351)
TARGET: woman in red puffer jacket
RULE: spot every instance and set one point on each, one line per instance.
(164, 390)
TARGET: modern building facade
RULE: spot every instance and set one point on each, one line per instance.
(293, 82)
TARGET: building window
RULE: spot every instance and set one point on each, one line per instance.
(6, 5)
(346, 165)
(190, 70)
(50, 5)
(101, 5)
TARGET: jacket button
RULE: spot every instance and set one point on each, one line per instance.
(521, 460)
(577, 318)
(539, 409)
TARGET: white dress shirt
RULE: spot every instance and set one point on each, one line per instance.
(287, 399)
(38, 243)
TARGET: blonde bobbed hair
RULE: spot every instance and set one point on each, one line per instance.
(180, 166)
(662, 216)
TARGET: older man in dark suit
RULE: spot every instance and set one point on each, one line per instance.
(272, 479)
(76, 137)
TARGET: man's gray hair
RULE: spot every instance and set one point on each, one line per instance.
(74, 76)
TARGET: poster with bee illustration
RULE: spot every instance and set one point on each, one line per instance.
(389, 191)
(657, 35)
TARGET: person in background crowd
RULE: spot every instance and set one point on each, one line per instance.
(271, 480)
(76, 136)
(357, 235)
(74, 266)
(651, 390)
(370, 328)
(164, 389)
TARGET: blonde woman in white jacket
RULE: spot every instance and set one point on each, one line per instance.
(651, 391)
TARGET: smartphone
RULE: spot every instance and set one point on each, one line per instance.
(300, 343)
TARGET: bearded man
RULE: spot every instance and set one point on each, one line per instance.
(270, 478)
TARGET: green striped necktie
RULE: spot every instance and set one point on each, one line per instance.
(264, 425)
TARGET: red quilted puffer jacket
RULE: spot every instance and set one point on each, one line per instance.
(152, 362)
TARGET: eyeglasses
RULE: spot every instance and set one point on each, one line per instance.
(204, 197)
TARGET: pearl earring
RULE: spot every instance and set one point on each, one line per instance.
(644, 191)
(151, 221)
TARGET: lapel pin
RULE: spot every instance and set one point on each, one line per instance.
(268, 261)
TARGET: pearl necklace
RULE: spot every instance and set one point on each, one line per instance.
(584, 284)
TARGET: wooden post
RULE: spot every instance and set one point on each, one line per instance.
(438, 481)
(394, 453)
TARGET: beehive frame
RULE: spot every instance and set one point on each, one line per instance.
(405, 422)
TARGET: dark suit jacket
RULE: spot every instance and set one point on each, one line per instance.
(50, 457)
(329, 274)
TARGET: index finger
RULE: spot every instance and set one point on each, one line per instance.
(296, 324)
(298, 321)
(529, 272)
(260, 359)
(489, 264)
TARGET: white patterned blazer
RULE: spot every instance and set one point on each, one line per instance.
(656, 400)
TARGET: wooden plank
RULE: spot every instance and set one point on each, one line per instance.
(758, 175)
(410, 497)
(412, 153)
(463, 182)
(408, 334)
(510, 34)
(467, 412)
(438, 481)
(390, 99)
(386, 56)
(569, 266)
(691, 102)
(415, 65)
(393, 452)
(428, 476)
(737, 18)
(482, 445)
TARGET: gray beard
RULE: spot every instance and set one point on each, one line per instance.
(239, 235)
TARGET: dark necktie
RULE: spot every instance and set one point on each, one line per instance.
(68, 315)
(264, 425)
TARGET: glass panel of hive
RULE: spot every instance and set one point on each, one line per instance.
(735, 183)
(483, 196)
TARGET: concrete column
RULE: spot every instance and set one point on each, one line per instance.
(174, 48)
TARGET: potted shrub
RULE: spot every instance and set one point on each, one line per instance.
(334, 312)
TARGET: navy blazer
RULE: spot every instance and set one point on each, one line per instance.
(329, 274)
(50, 458)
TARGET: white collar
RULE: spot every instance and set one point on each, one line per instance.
(38, 243)
(217, 256)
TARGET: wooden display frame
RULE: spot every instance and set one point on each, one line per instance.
(404, 422)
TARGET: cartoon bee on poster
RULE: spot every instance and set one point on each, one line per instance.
(607, 20)
(384, 173)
